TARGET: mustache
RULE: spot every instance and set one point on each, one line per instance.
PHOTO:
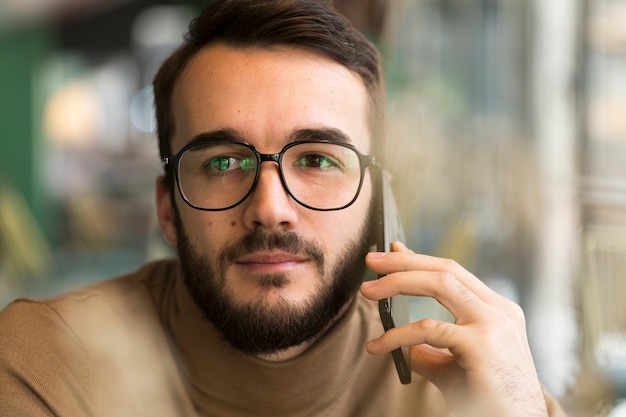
(288, 242)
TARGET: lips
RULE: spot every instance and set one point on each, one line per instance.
(270, 260)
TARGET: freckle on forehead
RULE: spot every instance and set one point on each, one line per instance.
(233, 223)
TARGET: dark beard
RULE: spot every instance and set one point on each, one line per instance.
(259, 328)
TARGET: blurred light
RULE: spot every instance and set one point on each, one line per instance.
(116, 82)
(160, 26)
(141, 113)
(607, 30)
(72, 115)
(607, 118)
(619, 410)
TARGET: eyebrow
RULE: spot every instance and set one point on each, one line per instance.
(323, 134)
(308, 134)
(217, 135)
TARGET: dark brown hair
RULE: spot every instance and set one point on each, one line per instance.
(313, 25)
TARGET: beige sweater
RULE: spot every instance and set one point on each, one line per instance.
(138, 346)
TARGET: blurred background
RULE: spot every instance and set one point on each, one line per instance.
(506, 138)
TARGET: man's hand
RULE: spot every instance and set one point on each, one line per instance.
(482, 362)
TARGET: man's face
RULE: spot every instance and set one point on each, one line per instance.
(269, 272)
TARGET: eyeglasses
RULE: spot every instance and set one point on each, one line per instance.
(218, 175)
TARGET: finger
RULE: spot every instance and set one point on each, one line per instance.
(435, 333)
(406, 260)
(437, 365)
(464, 305)
(398, 246)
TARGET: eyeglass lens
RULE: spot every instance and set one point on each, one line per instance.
(319, 175)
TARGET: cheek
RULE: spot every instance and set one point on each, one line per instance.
(346, 225)
(208, 232)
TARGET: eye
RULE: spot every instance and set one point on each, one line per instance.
(221, 163)
(229, 163)
(322, 162)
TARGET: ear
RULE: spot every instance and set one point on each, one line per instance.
(165, 211)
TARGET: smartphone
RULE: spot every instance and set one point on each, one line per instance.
(394, 311)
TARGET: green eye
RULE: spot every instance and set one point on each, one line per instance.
(228, 163)
(222, 163)
(316, 161)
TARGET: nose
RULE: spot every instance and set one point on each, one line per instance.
(270, 206)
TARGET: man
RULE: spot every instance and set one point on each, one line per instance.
(266, 117)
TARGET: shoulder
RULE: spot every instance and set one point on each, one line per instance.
(142, 286)
(31, 319)
(25, 325)
(61, 351)
(35, 323)
(41, 360)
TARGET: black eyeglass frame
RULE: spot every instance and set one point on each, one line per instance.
(172, 162)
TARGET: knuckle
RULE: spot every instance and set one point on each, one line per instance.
(447, 282)
(449, 264)
(509, 324)
(428, 323)
(440, 329)
(491, 336)
(516, 312)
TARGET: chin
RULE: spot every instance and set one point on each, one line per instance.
(262, 314)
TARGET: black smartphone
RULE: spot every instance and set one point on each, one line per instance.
(394, 311)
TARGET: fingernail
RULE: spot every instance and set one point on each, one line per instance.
(375, 255)
(402, 245)
(369, 345)
(399, 246)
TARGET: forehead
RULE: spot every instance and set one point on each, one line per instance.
(265, 94)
